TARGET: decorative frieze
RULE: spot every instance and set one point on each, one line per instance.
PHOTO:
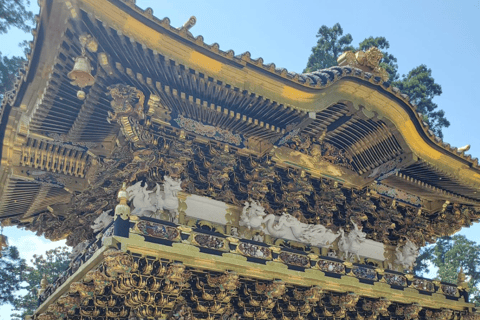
(423, 285)
(210, 242)
(449, 290)
(294, 259)
(395, 279)
(254, 251)
(157, 230)
(364, 273)
(331, 266)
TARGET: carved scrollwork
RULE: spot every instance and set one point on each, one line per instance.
(127, 100)
(444, 314)
(176, 273)
(229, 281)
(275, 289)
(117, 262)
(181, 312)
(471, 316)
(377, 308)
(346, 302)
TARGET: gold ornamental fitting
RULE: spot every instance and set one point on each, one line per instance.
(122, 194)
(122, 209)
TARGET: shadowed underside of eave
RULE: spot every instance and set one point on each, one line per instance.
(345, 107)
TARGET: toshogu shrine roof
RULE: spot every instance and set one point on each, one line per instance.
(245, 190)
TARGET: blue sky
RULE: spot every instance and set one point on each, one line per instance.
(444, 35)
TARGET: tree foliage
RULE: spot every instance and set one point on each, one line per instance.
(11, 267)
(330, 45)
(418, 84)
(13, 13)
(52, 265)
(8, 72)
(448, 255)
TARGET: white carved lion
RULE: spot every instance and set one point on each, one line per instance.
(151, 203)
(79, 248)
(406, 255)
(252, 215)
(102, 221)
(350, 244)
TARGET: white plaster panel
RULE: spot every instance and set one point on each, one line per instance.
(203, 208)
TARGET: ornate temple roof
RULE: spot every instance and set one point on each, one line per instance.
(288, 196)
(342, 124)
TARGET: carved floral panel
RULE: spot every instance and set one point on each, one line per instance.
(157, 230)
(395, 279)
(331, 266)
(294, 259)
(255, 251)
(210, 242)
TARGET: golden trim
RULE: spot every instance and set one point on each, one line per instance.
(380, 101)
(191, 256)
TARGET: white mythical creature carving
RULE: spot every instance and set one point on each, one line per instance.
(286, 227)
(79, 248)
(350, 244)
(102, 221)
(314, 234)
(150, 202)
(406, 255)
(252, 215)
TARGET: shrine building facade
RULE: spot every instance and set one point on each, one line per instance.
(194, 183)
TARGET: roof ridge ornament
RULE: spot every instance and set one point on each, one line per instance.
(368, 61)
(189, 24)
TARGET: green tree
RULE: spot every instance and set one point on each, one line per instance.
(11, 266)
(424, 261)
(13, 13)
(330, 45)
(418, 84)
(52, 265)
(8, 72)
(448, 255)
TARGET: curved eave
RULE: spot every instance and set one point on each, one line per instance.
(309, 92)
(298, 91)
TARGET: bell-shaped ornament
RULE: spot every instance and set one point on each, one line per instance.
(81, 73)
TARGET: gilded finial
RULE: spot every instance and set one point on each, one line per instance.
(43, 285)
(368, 61)
(461, 283)
(122, 209)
